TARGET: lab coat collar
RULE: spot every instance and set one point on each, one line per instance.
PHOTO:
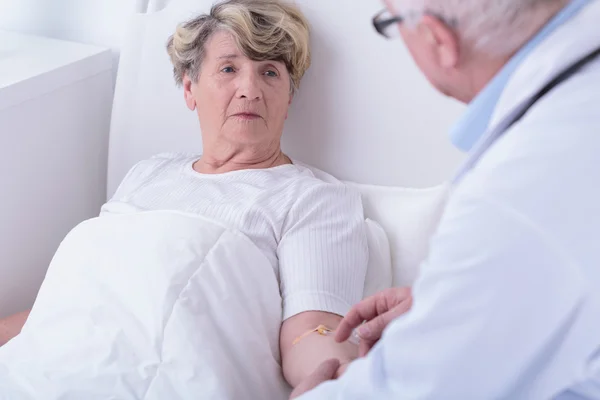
(564, 47)
(477, 117)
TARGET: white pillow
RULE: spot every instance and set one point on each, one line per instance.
(409, 217)
(379, 271)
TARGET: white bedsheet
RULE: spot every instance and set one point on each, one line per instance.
(152, 306)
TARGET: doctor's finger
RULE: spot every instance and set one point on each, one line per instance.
(365, 310)
(370, 308)
(372, 330)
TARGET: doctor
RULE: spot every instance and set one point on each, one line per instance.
(508, 302)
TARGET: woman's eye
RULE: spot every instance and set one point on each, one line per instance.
(227, 70)
(271, 73)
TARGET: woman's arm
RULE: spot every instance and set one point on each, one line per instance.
(11, 326)
(301, 359)
(323, 257)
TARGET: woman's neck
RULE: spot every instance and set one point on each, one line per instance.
(210, 164)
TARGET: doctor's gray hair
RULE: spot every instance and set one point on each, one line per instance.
(263, 30)
(497, 27)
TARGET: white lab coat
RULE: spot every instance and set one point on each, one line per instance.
(508, 302)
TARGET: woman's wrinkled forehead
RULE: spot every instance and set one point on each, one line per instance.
(221, 43)
(223, 46)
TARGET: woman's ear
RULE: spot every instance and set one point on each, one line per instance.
(187, 92)
(289, 104)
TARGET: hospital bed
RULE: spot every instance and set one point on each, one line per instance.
(363, 113)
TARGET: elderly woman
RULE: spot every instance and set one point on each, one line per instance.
(239, 67)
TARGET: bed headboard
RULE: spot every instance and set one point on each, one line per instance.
(363, 112)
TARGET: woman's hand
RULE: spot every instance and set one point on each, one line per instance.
(378, 311)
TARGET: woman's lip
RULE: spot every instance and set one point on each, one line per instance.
(247, 115)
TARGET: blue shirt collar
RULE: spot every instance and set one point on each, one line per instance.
(475, 121)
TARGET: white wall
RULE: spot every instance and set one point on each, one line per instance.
(99, 22)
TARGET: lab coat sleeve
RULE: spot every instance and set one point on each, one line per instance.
(493, 300)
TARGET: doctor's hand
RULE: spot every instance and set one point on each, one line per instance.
(327, 371)
(377, 312)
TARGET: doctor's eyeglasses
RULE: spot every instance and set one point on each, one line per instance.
(386, 24)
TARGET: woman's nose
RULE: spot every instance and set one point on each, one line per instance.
(249, 87)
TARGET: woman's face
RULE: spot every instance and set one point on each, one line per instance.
(239, 101)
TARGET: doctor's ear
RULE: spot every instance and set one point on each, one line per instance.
(443, 41)
(187, 92)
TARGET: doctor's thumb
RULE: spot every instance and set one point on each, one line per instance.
(324, 372)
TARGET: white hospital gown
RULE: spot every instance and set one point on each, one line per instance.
(311, 230)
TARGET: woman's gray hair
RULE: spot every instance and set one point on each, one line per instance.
(497, 27)
(263, 30)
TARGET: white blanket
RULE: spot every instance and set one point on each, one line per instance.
(156, 306)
